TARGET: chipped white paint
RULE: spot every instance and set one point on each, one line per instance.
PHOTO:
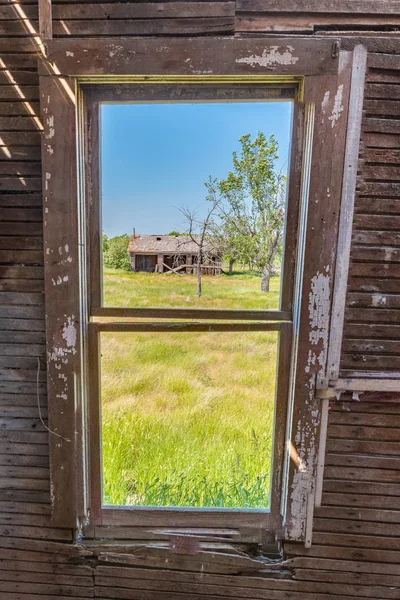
(68, 53)
(50, 125)
(378, 300)
(47, 178)
(303, 478)
(318, 310)
(271, 57)
(325, 102)
(114, 50)
(69, 333)
(338, 107)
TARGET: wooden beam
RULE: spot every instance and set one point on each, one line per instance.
(207, 56)
(45, 20)
(347, 209)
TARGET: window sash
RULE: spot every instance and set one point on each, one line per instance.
(185, 90)
(267, 519)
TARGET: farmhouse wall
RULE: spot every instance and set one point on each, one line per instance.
(356, 537)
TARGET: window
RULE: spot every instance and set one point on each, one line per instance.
(316, 78)
(198, 422)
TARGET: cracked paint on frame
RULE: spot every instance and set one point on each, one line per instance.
(271, 58)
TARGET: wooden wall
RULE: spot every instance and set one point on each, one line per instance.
(356, 542)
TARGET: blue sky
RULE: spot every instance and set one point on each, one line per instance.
(156, 157)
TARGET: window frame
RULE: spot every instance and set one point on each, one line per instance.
(325, 75)
(280, 320)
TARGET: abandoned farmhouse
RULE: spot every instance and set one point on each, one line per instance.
(330, 527)
(159, 253)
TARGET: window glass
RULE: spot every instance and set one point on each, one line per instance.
(188, 418)
(193, 203)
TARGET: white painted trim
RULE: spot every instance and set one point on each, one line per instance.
(347, 209)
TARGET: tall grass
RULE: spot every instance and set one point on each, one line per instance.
(187, 418)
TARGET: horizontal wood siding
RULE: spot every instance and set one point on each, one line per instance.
(356, 538)
(373, 298)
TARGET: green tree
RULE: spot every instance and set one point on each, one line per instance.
(115, 252)
(252, 206)
(105, 241)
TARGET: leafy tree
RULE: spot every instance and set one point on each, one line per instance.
(252, 206)
(115, 252)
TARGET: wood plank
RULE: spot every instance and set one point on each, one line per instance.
(375, 125)
(390, 108)
(382, 91)
(143, 10)
(366, 419)
(377, 300)
(368, 515)
(376, 238)
(144, 27)
(368, 188)
(377, 222)
(386, 347)
(363, 433)
(376, 205)
(305, 22)
(376, 462)
(381, 140)
(371, 330)
(384, 61)
(363, 474)
(358, 446)
(236, 56)
(45, 20)
(324, 6)
(366, 362)
(346, 210)
(343, 553)
(374, 172)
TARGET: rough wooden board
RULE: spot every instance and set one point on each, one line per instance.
(320, 6)
(236, 56)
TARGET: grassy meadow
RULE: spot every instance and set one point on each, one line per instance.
(187, 418)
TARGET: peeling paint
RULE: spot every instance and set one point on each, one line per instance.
(338, 107)
(69, 333)
(270, 58)
(378, 300)
(68, 53)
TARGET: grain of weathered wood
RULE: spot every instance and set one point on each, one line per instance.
(45, 20)
(236, 56)
(320, 6)
(60, 240)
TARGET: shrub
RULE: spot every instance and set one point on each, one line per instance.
(115, 252)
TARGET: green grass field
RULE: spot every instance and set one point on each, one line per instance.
(187, 418)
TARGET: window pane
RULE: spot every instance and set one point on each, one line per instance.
(187, 418)
(177, 204)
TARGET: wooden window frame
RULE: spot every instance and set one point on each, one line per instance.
(225, 89)
(323, 74)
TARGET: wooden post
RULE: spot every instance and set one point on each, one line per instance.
(45, 20)
(133, 262)
(160, 263)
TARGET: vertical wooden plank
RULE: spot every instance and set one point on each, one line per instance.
(347, 209)
(61, 289)
(45, 20)
(326, 98)
(321, 450)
